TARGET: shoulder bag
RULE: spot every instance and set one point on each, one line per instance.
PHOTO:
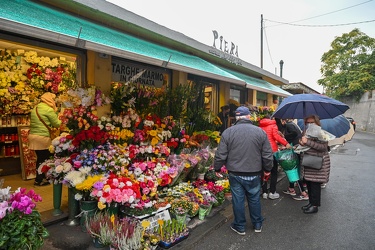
(312, 161)
(53, 132)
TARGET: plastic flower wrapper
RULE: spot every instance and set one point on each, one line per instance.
(287, 159)
(315, 131)
(4, 193)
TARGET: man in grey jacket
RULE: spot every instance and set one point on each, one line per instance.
(246, 152)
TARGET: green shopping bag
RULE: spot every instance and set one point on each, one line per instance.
(287, 159)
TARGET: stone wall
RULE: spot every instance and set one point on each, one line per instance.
(363, 112)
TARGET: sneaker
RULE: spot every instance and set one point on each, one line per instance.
(258, 229)
(265, 196)
(43, 183)
(291, 192)
(239, 232)
(273, 196)
(323, 185)
(301, 198)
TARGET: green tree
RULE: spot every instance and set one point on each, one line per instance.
(348, 68)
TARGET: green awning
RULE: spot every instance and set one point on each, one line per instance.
(35, 20)
(103, 39)
(259, 84)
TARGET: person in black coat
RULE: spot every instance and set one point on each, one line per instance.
(292, 133)
(224, 116)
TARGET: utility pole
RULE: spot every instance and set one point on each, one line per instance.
(261, 41)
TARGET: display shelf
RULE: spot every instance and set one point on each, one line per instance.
(12, 150)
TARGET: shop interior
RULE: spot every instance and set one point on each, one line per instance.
(14, 157)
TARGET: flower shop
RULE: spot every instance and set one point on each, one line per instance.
(137, 162)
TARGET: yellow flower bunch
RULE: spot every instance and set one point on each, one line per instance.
(87, 184)
(198, 195)
(225, 184)
(181, 206)
(124, 134)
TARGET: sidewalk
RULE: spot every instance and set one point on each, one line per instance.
(65, 237)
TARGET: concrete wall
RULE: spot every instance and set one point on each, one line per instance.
(363, 112)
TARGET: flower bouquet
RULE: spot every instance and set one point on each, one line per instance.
(55, 169)
(117, 189)
(180, 208)
(20, 224)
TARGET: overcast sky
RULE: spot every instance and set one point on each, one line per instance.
(295, 31)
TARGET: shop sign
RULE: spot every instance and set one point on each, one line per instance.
(126, 71)
(224, 51)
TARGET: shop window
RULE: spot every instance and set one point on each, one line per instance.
(238, 94)
(261, 98)
(209, 89)
(235, 94)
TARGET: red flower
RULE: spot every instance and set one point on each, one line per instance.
(45, 168)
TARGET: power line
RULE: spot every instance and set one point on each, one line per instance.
(268, 48)
(317, 25)
(292, 23)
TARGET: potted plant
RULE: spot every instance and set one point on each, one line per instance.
(20, 223)
(101, 228)
(128, 234)
(171, 232)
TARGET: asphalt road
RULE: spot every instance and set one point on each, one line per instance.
(346, 218)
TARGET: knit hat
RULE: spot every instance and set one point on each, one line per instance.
(49, 99)
(241, 111)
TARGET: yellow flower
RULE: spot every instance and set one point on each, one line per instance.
(101, 205)
(154, 141)
(153, 133)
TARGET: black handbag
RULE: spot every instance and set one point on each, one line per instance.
(312, 161)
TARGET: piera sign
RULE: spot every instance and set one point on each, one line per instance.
(127, 71)
(233, 50)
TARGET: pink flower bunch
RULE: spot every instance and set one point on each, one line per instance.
(53, 78)
(20, 200)
(142, 152)
(139, 136)
(114, 188)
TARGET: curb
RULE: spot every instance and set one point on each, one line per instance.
(219, 216)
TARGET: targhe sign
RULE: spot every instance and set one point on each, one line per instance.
(127, 71)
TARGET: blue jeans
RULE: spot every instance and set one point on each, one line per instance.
(249, 187)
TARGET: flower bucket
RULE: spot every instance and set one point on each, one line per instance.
(201, 176)
(88, 209)
(181, 218)
(209, 210)
(202, 212)
(57, 194)
(292, 174)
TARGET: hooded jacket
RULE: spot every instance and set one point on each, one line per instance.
(244, 149)
(272, 131)
(47, 113)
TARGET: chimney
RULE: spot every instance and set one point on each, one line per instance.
(281, 68)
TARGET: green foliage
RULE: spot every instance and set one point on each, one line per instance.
(21, 231)
(184, 102)
(348, 69)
